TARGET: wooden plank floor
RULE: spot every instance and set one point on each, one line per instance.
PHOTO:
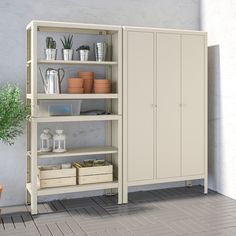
(167, 212)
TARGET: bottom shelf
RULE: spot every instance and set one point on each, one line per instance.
(73, 189)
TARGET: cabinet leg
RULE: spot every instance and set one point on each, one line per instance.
(205, 186)
(125, 194)
(188, 183)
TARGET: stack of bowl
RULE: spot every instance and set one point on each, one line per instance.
(102, 86)
(88, 77)
(75, 85)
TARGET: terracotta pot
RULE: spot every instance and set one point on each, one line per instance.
(102, 85)
(88, 85)
(102, 90)
(86, 74)
(75, 90)
(75, 83)
(102, 81)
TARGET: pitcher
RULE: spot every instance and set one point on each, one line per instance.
(52, 80)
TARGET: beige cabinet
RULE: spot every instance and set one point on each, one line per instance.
(165, 106)
(168, 94)
(140, 54)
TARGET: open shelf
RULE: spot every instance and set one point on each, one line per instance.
(77, 118)
(74, 188)
(66, 96)
(79, 152)
(74, 62)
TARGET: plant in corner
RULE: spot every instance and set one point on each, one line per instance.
(50, 51)
(67, 51)
(83, 52)
(13, 113)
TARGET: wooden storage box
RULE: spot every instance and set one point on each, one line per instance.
(95, 174)
(56, 177)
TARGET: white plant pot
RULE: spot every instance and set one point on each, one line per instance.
(83, 55)
(50, 54)
(67, 54)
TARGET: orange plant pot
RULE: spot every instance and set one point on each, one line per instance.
(102, 81)
(75, 83)
(88, 85)
(102, 90)
(75, 90)
(102, 86)
(86, 74)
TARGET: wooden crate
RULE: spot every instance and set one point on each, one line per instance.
(95, 174)
(56, 178)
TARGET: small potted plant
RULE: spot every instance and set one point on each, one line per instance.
(50, 51)
(67, 51)
(83, 52)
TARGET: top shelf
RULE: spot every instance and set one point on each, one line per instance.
(62, 62)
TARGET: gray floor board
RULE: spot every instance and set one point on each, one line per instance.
(167, 212)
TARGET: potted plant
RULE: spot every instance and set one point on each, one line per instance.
(13, 113)
(67, 51)
(83, 52)
(50, 51)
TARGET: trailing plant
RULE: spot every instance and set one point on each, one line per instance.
(83, 47)
(67, 42)
(13, 113)
(50, 43)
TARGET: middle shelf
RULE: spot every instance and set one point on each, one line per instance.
(65, 96)
(79, 152)
(76, 118)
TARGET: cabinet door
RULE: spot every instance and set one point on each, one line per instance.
(168, 105)
(193, 101)
(140, 59)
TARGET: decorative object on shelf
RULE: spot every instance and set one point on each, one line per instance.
(102, 86)
(58, 108)
(55, 176)
(88, 77)
(46, 141)
(50, 51)
(83, 52)
(75, 85)
(94, 171)
(13, 113)
(59, 141)
(52, 80)
(67, 51)
(100, 49)
(66, 165)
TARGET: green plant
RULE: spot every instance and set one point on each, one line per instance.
(50, 43)
(83, 47)
(67, 43)
(13, 113)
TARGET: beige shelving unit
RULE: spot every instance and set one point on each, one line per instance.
(113, 147)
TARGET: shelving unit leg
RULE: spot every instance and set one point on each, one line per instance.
(34, 199)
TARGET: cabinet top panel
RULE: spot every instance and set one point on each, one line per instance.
(164, 30)
(54, 26)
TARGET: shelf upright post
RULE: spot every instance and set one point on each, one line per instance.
(28, 102)
(33, 119)
(120, 123)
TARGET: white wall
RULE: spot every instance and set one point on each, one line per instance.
(16, 14)
(218, 18)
